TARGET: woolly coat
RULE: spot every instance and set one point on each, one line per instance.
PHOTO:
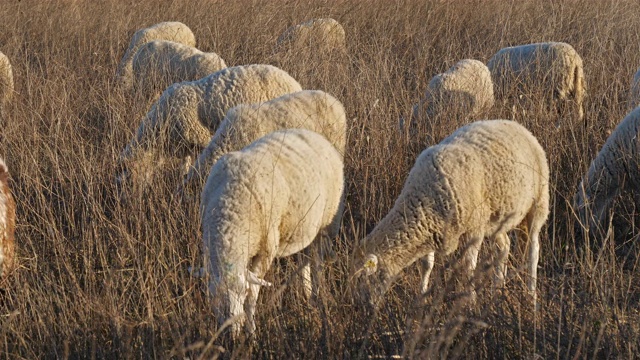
(552, 67)
(269, 200)
(170, 30)
(615, 169)
(481, 181)
(308, 109)
(159, 63)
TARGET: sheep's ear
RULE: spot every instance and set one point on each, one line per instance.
(370, 264)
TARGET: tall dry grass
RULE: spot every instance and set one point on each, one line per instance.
(103, 279)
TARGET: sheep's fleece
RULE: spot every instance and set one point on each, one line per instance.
(6, 80)
(170, 30)
(161, 63)
(614, 170)
(314, 110)
(184, 117)
(481, 181)
(318, 35)
(552, 67)
(466, 87)
(269, 200)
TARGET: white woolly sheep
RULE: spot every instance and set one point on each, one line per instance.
(183, 118)
(482, 181)
(159, 63)
(7, 222)
(552, 67)
(466, 87)
(634, 93)
(6, 80)
(269, 200)
(308, 109)
(321, 35)
(614, 171)
(171, 30)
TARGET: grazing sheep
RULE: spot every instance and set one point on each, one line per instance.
(6, 80)
(614, 171)
(634, 94)
(466, 87)
(171, 31)
(7, 222)
(552, 67)
(269, 200)
(482, 181)
(158, 64)
(319, 35)
(181, 121)
(308, 109)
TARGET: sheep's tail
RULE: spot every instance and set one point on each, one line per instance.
(579, 87)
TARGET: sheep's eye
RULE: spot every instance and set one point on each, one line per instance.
(369, 264)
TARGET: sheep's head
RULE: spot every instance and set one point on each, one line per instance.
(370, 264)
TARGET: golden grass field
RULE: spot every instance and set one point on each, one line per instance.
(102, 279)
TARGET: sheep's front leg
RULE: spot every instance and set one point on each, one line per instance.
(503, 243)
(427, 265)
(470, 261)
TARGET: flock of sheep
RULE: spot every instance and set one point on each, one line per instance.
(269, 177)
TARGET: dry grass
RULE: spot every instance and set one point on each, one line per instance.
(102, 279)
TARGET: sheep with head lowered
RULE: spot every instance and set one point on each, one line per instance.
(614, 171)
(483, 180)
(553, 69)
(160, 63)
(269, 200)
(7, 223)
(318, 35)
(170, 30)
(466, 88)
(308, 109)
(181, 122)
(6, 80)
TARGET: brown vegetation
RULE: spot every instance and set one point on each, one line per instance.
(99, 278)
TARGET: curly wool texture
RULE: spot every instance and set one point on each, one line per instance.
(466, 87)
(614, 170)
(321, 35)
(553, 67)
(308, 109)
(269, 200)
(171, 31)
(184, 117)
(158, 64)
(6, 80)
(481, 181)
(7, 223)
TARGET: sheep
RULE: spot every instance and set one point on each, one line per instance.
(634, 93)
(320, 35)
(6, 80)
(182, 119)
(551, 67)
(466, 87)
(269, 200)
(171, 30)
(614, 171)
(7, 223)
(159, 63)
(482, 181)
(308, 109)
